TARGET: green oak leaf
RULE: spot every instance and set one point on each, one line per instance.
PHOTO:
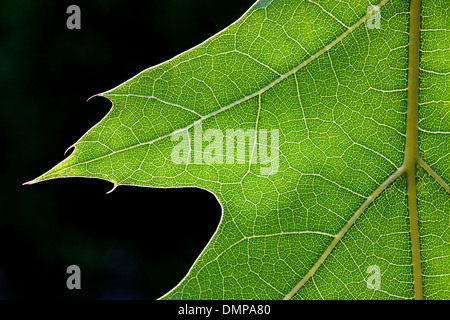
(321, 127)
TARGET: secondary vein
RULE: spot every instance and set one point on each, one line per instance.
(343, 231)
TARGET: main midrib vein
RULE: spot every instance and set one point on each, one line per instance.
(412, 145)
(411, 159)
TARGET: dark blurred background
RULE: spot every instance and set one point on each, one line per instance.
(135, 243)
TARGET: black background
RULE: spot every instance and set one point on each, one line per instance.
(135, 243)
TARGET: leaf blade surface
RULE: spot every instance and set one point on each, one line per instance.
(336, 91)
